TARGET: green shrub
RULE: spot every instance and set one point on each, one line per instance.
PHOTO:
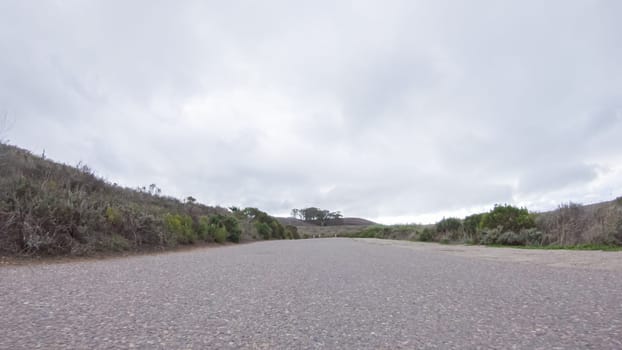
(264, 230)
(113, 215)
(278, 232)
(181, 227)
(229, 223)
(373, 232)
(533, 236)
(472, 223)
(234, 236)
(203, 229)
(118, 243)
(525, 237)
(291, 232)
(267, 226)
(233, 228)
(427, 235)
(448, 225)
(450, 228)
(511, 238)
(489, 236)
(220, 234)
(507, 218)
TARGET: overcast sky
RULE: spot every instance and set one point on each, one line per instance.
(398, 111)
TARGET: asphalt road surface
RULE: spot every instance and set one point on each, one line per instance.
(313, 294)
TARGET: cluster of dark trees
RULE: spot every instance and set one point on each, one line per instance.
(317, 216)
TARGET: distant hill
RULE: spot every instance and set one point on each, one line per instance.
(293, 222)
(341, 222)
(357, 222)
(341, 227)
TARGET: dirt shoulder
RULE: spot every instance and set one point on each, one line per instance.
(13, 260)
(599, 260)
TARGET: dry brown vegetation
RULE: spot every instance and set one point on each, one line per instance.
(573, 224)
(313, 231)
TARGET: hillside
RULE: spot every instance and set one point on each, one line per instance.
(56, 209)
(340, 222)
(341, 227)
(356, 222)
(293, 221)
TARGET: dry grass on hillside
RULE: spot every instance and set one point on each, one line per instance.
(56, 209)
(571, 224)
(329, 231)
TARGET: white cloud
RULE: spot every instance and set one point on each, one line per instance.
(397, 111)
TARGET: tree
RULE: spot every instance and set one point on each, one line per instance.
(309, 214)
(295, 213)
(316, 215)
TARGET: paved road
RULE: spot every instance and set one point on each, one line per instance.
(310, 294)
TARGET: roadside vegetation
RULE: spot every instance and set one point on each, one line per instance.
(47, 208)
(570, 226)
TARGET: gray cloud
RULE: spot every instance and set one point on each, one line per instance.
(400, 110)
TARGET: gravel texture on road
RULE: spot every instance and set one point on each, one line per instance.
(313, 294)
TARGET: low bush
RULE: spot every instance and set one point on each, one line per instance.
(264, 230)
(507, 218)
(118, 243)
(113, 216)
(202, 229)
(525, 237)
(427, 235)
(230, 224)
(291, 232)
(220, 234)
(404, 232)
(489, 236)
(181, 227)
(472, 224)
(533, 236)
(267, 226)
(511, 238)
(449, 225)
